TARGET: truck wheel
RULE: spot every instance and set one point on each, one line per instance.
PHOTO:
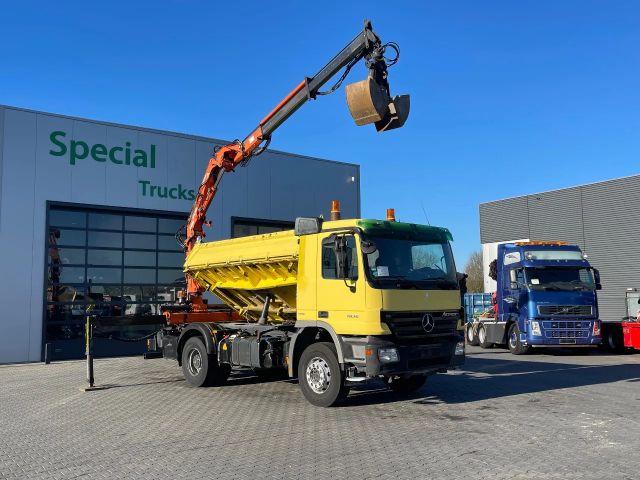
(515, 345)
(320, 377)
(472, 335)
(201, 369)
(613, 340)
(482, 337)
(406, 385)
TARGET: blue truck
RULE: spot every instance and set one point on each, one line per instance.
(545, 297)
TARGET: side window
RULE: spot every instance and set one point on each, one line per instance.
(329, 266)
(520, 276)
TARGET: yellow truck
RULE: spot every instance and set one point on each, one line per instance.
(333, 303)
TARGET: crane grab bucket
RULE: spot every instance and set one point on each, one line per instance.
(369, 102)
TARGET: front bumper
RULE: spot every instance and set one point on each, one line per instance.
(412, 359)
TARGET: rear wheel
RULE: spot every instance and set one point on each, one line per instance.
(320, 377)
(406, 385)
(201, 369)
(515, 344)
(472, 335)
(482, 337)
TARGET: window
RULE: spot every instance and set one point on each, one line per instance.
(121, 262)
(243, 227)
(329, 266)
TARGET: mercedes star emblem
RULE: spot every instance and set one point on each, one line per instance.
(428, 323)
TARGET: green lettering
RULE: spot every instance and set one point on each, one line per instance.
(153, 156)
(144, 184)
(62, 146)
(127, 154)
(99, 152)
(112, 155)
(192, 195)
(153, 187)
(140, 158)
(74, 154)
(172, 193)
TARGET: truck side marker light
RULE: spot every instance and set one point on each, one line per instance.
(368, 352)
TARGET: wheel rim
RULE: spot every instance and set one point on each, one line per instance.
(470, 333)
(481, 334)
(513, 340)
(318, 375)
(194, 362)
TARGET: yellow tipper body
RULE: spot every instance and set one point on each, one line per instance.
(287, 268)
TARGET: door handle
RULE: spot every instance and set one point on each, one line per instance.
(323, 314)
(510, 300)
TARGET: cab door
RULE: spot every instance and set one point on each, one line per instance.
(341, 283)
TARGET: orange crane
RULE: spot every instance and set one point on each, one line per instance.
(369, 101)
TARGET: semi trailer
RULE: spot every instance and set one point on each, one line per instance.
(545, 297)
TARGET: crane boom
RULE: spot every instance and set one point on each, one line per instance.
(370, 102)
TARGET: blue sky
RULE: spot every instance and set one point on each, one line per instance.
(508, 98)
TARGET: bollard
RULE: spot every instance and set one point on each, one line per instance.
(88, 333)
(89, 341)
(47, 353)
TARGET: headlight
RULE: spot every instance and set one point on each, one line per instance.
(535, 328)
(459, 348)
(388, 355)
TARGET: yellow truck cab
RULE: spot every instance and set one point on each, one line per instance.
(333, 303)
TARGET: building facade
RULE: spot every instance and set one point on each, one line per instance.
(602, 218)
(89, 211)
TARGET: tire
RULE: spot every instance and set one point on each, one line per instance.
(513, 341)
(201, 369)
(320, 377)
(482, 337)
(472, 335)
(406, 385)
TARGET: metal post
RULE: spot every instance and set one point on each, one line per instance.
(47, 353)
(88, 351)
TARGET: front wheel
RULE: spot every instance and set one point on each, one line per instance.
(472, 335)
(320, 377)
(482, 337)
(515, 344)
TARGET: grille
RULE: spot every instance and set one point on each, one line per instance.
(407, 326)
(564, 309)
(568, 329)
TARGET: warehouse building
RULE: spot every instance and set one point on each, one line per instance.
(602, 218)
(89, 212)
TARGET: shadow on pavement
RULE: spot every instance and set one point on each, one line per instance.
(484, 379)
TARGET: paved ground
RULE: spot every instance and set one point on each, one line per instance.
(537, 417)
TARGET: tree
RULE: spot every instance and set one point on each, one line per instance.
(475, 282)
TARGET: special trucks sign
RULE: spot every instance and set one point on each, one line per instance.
(123, 155)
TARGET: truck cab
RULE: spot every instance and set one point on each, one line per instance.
(545, 297)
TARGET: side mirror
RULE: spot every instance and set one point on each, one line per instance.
(596, 275)
(340, 249)
(307, 226)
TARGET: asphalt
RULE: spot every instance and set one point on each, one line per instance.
(554, 414)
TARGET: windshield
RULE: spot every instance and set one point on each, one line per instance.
(558, 278)
(400, 263)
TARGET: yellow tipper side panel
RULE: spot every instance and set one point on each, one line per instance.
(242, 271)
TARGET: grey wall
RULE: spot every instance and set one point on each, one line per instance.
(603, 218)
(276, 185)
